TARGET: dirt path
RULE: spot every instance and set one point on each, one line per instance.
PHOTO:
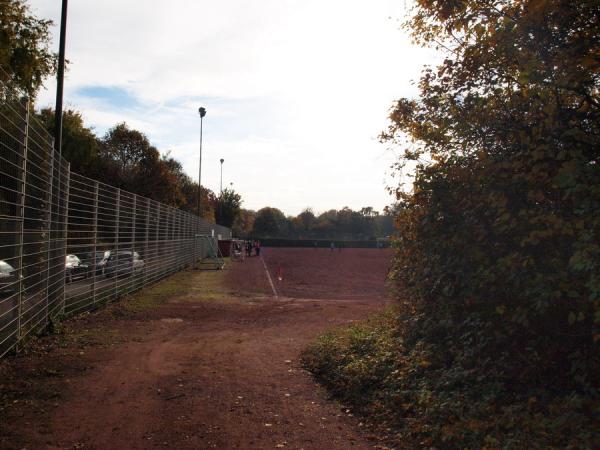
(193, 373)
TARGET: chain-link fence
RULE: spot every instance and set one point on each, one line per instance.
(69, 243)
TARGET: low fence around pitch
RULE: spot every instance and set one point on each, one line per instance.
(324, 243)
(69, 243)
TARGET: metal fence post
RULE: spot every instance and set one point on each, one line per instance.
(49, 200)
(173, 242)
(179, 248)
(178, 238)
(181, 220)
(157, 237)
(184, 234)
(146, 255)
(133, 237)
(191, 239)
(95, 244)
(117, 225)
(194, 232)
(21, 223)
(65, 237)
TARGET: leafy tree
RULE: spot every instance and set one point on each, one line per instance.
(325, 226)
(368, 222)
(307, 219)
(24, 47)
(244, 223)
(133, 164)
(207, 198)
(127, 147)
(386, 221)
(269, 222)
(176, 168)
(80, 146)
(227, 207)
(498, 254)
(189, 190)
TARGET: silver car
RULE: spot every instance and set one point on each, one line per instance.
(122, 263)
(74, 268)
(8, 279)
(100, 258)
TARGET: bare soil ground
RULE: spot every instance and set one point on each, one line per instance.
(346, 274)
(202, 360)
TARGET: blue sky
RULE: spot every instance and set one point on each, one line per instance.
(114, 97)
(296, 91)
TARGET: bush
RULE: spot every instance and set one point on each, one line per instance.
(497, 261)
(403, 384)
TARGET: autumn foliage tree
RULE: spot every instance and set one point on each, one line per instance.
(25, 56)
(80, 146)
(227, 207)
(498, 260)
(137, 166)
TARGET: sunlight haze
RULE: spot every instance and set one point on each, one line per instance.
(296, 92)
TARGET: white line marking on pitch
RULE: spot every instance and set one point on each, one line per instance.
(269, 277)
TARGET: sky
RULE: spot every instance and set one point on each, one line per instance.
(296, 91)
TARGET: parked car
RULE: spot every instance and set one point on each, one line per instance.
(74, 268)
(8, 279)
(123, 263)
(100, 257)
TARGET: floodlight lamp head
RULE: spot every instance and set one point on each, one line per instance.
(222, 160)
(202, 111)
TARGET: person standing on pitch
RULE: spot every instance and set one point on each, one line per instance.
(332, 246)
(257, 248)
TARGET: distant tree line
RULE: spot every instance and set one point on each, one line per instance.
(343, 224)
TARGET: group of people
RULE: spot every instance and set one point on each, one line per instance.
(331, 246)
(252, 245)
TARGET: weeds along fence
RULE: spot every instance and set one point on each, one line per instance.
(69, 243)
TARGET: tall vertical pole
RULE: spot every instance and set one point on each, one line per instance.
(202, 113)
(222, 160)
(200, 170)
(60, 76)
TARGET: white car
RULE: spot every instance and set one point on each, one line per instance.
(75, 268)
(8, 278)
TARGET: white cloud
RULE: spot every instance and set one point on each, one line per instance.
(296, 91)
